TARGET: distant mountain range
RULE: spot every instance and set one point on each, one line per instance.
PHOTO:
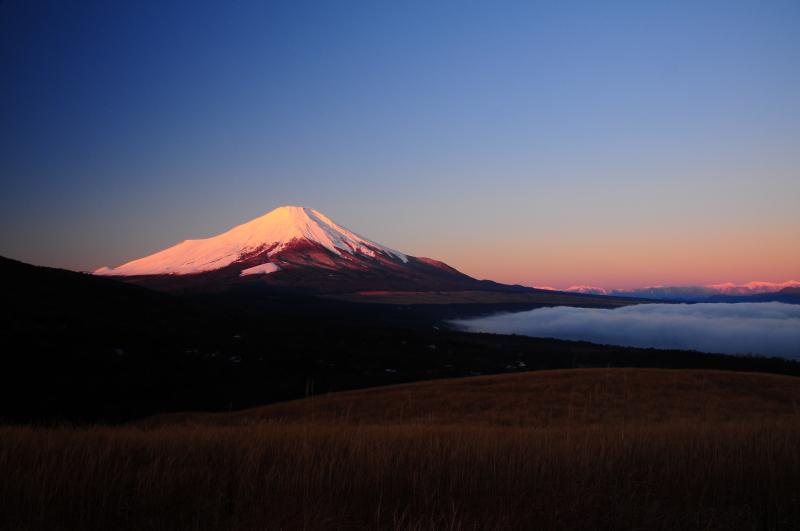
(713, 291)
(300, 248)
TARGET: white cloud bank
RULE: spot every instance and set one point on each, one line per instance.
(771, 329)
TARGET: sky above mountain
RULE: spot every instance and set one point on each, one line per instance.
(614, 144)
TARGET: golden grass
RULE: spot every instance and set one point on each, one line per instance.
(698, 466)
(540, 399)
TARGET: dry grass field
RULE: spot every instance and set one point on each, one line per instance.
(583, 449)
(569, 397)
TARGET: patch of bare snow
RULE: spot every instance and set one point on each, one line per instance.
(263, 269)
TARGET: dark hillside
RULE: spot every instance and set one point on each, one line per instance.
(84, 348)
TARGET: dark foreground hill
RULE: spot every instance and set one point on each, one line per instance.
(82, 348)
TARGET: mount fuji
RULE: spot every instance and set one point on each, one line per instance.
(294, 247)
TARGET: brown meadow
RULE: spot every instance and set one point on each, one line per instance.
(571, 397)
(597, 449)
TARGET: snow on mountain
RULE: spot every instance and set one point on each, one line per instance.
(752, 288)
(263, 269)
(268, 234)
(685, 292)
(591, 290)
(700, 292)
(310, 249)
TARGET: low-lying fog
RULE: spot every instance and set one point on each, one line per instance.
(771, 329)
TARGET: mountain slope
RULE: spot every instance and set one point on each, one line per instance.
(294, 247)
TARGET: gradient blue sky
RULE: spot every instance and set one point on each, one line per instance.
(617, 144)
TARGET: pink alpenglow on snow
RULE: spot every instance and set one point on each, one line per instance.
(271, 233)
(591, 290)
(752, 288)
(685, 292)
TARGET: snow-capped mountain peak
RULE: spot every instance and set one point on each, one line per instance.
(269, 234)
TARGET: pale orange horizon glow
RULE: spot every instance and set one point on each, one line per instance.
(617, 264)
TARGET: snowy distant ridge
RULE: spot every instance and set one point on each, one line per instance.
(272, 233)
(752, 288)
(686, 292)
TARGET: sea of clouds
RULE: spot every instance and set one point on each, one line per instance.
(771, 328)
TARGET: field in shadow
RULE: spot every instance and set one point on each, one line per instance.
(582, 449)
(539, 399)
